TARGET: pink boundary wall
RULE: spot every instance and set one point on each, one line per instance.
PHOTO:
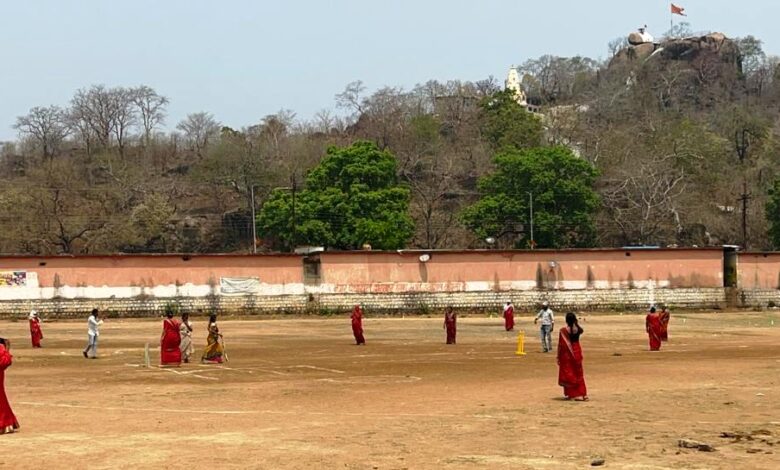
(457, 271)
(758, 270)
(366, 272)
(155, 270)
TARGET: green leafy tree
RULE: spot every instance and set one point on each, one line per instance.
(351, 198)
(504, 123)
(563, 198)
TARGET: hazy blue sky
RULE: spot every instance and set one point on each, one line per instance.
(242, 60)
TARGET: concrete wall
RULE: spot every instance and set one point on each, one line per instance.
(471, 271)
(377, 303)
(758, 270)
(140, 285)
(101, 277)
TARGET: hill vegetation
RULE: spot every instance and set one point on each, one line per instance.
(669, 146)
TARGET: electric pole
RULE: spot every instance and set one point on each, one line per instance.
(744, 198)
(254, 222)
(293, 189)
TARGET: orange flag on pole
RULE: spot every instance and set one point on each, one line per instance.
(678, 10)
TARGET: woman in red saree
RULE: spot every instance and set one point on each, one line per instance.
(170, 354)
(8, 422)
(570, 374)
(36, 334)
(654, 328)
(357, 325)
(451, 324)
(663, 316)
(509, 316)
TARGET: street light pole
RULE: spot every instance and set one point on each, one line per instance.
(531, 210)
(294, 224)
(254, 222)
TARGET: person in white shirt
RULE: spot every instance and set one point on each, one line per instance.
(548, 325)
(93, 332)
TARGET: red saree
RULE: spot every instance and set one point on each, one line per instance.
(357, 325)
(509, 318)
(451, 325)
(570, 374)
(653, 327)
(8, 422)
(36, 335)
(664, 317)
(170, 354)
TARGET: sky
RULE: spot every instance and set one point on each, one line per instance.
(244, 59)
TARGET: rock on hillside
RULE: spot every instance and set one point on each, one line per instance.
(692, 49)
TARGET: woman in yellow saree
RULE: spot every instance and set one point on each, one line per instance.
(214, 350)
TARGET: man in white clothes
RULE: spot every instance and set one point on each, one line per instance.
(93, 332)
(548, 324)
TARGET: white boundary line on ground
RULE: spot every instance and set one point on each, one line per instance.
(252, 412)
(246, 370)
(313, 413)
(369, 379)
(324, 369)
(133, 410)
(187, 373)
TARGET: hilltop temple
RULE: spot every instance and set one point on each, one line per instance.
(512, 82)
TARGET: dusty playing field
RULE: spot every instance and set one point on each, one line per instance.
(298, 394)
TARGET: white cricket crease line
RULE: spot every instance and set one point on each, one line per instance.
(194, 372)
(182, 373)
(254, 412)
(361, 379)
(276, 372)
(131, 409)
(304, 366)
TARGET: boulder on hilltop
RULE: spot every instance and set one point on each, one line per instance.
(690, 49)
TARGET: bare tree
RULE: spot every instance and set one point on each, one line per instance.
(198, 129)
(151, 107)
(487, 86)
(616, 45)
(351, 98)
(273, 131)
(96, 109)
(125, 115)
(47, 126)
(644, 199)
(79, 126)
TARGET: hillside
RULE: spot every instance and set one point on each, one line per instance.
(682, 135)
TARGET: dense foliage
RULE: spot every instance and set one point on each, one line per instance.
(558, 184)
(351, 198)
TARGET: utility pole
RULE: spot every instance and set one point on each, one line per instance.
(744, 197)
(254, 222)
(742, 145)
(531, 211)
(294, 224)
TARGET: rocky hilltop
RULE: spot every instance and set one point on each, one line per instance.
(697, 49)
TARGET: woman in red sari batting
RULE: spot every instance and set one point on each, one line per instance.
(451, 324)
(357, 325)
(654, 328)
(570, 374)
(509, 316)
(8, 422)
(170, 354)
(36, 334)
(663, 316)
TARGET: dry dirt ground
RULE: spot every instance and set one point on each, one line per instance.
(297, 394)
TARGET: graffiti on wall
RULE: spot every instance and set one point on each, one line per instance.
(13, 278)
